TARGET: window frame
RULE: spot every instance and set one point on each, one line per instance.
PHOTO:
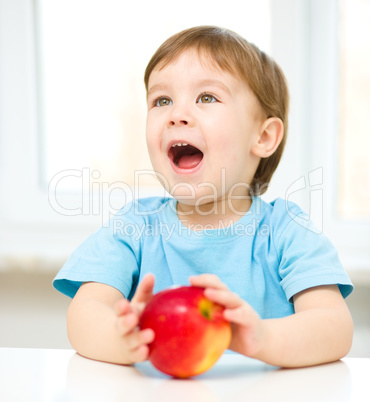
(314, 77)
(351, 236)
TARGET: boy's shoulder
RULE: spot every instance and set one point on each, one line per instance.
(281, 209)
(280, 213)
(289, 223)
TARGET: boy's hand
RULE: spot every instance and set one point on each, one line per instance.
(128, 314)
(248, 332)
(319, 331)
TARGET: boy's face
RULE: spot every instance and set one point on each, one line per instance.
(193, 102)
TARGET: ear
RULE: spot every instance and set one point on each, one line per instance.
(271, 134)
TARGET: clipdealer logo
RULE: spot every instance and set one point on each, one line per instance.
(98, 198)
(313, 184)
(89, 195)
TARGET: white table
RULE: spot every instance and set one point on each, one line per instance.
(62, 375)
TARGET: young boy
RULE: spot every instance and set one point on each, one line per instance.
(216, 129)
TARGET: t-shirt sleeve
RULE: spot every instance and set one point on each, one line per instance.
(307, 257)
(107, 256)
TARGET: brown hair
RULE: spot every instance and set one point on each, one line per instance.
(236, 55)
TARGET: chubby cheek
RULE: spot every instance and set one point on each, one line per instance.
(225, 150)
(233, 164)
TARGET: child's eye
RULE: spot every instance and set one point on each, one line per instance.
(206, 98)
(162, 101)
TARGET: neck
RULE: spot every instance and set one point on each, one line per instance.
(221, 213)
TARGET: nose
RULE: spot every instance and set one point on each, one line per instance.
(180, 116)
(180, 122)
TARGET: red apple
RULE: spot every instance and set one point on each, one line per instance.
(190, 331)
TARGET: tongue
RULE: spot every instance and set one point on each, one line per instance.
(189, 161)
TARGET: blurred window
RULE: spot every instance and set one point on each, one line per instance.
(354, 140)
(92, 56)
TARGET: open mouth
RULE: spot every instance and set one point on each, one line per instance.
(185, 156)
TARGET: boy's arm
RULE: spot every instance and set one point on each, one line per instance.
(320, 331)
(102, 325)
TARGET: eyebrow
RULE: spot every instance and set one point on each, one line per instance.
(217, 83)
(156, 87)
(200, 83)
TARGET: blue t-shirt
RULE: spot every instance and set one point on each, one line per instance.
(269, 255)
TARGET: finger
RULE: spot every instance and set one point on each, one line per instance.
(245, 316)
(140, 354)
(144, 291)
(122, 307)
(207, 280)
(127, 323)
(224, 297)
(138, 338)
(240, 316)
